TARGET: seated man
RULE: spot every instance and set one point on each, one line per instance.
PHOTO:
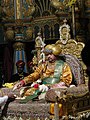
(55, 72)
(20, 72)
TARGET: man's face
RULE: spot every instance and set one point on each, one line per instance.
(51, 57)
(20, 69)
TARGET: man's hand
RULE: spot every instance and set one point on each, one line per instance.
(11, 97)
(19, 85)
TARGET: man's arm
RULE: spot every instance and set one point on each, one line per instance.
(3, 100)
(34, 76)
(30, 78)
(67, 74)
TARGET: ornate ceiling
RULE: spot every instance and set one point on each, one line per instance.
(21, 15)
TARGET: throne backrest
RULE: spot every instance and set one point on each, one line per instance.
(72, 52)
(76, 68)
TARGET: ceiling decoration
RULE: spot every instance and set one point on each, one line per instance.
(17, 9)
(43, 8)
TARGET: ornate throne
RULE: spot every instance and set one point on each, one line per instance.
(72, 102)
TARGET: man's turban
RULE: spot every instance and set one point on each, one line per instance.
(20, 63)
(30, 63)
(52, 48)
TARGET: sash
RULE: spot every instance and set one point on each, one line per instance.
(57, 73)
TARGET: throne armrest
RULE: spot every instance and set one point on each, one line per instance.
(59, 94)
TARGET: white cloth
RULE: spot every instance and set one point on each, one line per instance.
(3, 100)
(43, 88)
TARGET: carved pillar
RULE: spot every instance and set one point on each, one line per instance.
(77, 18)
(87, 16)
(19, 54)
(89, 29)
(87, 8)
(73, 21)
(18, 11)
(80, 36)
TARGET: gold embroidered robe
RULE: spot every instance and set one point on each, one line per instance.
(47, 70)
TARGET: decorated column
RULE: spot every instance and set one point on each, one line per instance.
(19, 54)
